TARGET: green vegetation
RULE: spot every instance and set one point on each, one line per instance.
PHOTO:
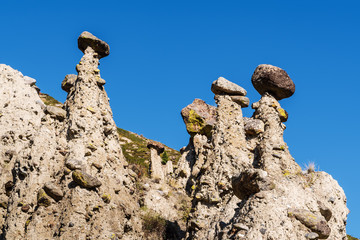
(154, 225)
(48, 100)
(351, 238)
(136, 152)
(164, 157)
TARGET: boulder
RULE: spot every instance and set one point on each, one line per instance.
(253, 126)
(249, 182)
(74, 164)
(312, 221)
(159, 147)
(56, 112)
(274, 80)
(241, 100)
(68, 82)
(85, 180)
(199, 117)
(43, 199)
(53, 191)
(224, 86)
(86, 39)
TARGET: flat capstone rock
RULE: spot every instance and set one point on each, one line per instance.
(225, 87)
(86, 39)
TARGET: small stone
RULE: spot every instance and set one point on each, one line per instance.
(224, 86)
(314, 222)
(199, 117)
(71, 224)
(29, 81)
(331, 199)
(241, 100)
(85, 180)
(86, 40)
(274, 80)
(283, 114)
(53, 191)
(68, 82)
(106, 198)
(43, 199)
(240, 226)
(312, 235)
(56, 112)
(250, 181)
(159, 147)
(25, 208)
(263, 231)
(100, 82)
(325, 211)
(253, 126)
(74, 164)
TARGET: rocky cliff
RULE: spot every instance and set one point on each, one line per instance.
(63, 173)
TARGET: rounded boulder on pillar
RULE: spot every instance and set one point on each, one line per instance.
(273, 80)
(159, 147)
(86, 40)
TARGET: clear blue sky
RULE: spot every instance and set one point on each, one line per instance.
(163, 54)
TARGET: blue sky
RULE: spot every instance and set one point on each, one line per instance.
(163, 54)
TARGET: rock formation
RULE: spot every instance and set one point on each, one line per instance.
(248, 185)
(63, 174)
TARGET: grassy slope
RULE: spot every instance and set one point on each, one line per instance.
(136, 152)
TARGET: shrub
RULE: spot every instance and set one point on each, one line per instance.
(165, 158)
(154, 225)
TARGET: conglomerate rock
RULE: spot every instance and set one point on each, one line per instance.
(248, 184)
(63, 174)
(40, 148)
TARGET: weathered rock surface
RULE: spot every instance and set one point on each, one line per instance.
(64, 176)
(253, 126)
(199, 117)
(247, 183)
(224, 86)
(86, 40)
(40, 197)
(68, 82)
(241, 100)
(273, 80)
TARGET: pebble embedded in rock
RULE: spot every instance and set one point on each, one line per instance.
(74, 164)
(241, 100)
(25, 208)
(56, 112)
(85, 180)
(253, 126)
(53, 191)
(312, 236)
(274, 80)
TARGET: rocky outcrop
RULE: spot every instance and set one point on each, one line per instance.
(64, 173)
(248, 185)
